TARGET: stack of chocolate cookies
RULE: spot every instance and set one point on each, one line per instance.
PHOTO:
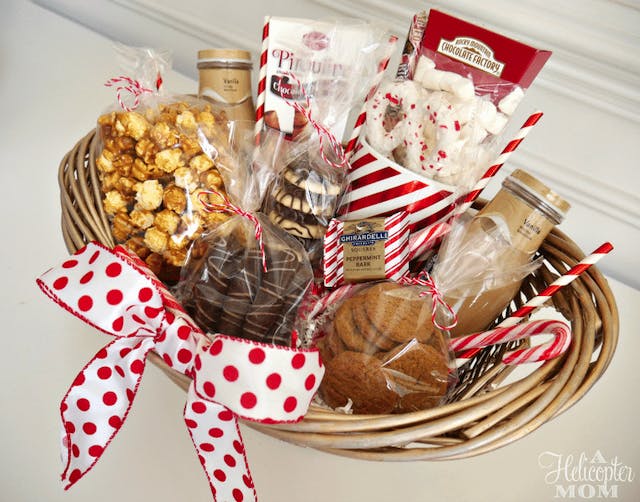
(227, 291)
(303, 200)
(383, 353)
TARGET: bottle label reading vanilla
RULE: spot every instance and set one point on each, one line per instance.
(225, 78)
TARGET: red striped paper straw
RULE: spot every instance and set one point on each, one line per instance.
(362, 116)
(500, 161)
(262, 80)
(549, 291)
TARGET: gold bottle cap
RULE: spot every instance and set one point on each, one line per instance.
(224, 56)
(553, 201)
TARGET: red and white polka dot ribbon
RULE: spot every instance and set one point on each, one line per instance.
(323, 132)
(111, 291)
(133, 87)
(228, 206)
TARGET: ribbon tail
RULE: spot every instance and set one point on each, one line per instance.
(216, 437)
(98, 402)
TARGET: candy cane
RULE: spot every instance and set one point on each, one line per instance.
(548, 292)
(503, 334)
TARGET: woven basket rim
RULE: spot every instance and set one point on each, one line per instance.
(491, 416)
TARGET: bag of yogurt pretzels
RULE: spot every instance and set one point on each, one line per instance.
(432, 132)
(157, 152)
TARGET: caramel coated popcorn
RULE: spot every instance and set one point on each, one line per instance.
(153, 166)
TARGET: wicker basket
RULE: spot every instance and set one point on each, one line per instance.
(490, 408)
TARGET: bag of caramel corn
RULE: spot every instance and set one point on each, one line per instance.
(157, 153)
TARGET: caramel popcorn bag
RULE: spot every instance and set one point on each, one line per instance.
(157, 153)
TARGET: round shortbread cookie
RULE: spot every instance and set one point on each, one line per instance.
(297, 200)
(311, 180)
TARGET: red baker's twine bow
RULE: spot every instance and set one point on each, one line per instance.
(228, 206)
(133, 87)
(423, 279)
(323, 132)
(112, 291)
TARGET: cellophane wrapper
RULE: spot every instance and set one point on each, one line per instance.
(154, 161)
(237, 282)
(381, 351)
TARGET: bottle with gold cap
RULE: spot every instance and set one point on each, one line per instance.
(526, 210)
(225, 78)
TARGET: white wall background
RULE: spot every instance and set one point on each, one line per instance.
(584, 147)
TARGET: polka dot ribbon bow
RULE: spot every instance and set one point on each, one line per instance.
(113, 292)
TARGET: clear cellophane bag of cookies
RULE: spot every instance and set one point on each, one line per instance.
(317, 72)
(382, 351)
(303, 197)
(240, 281)
(157, 152)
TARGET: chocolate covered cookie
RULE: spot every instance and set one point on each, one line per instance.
(300, 228)
(227, 291)
(303, 200)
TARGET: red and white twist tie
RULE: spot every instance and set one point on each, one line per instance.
(131, 86)
(109, 290)
(228, 206)
(550, 350)
(323, 132)
(423, 279)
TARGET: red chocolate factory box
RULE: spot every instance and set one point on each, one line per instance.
(488, 57)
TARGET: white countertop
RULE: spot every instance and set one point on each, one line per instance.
(51, 76)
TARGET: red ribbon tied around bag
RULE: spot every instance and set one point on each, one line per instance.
(115, 293)
(424, 280)
(133, 87)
